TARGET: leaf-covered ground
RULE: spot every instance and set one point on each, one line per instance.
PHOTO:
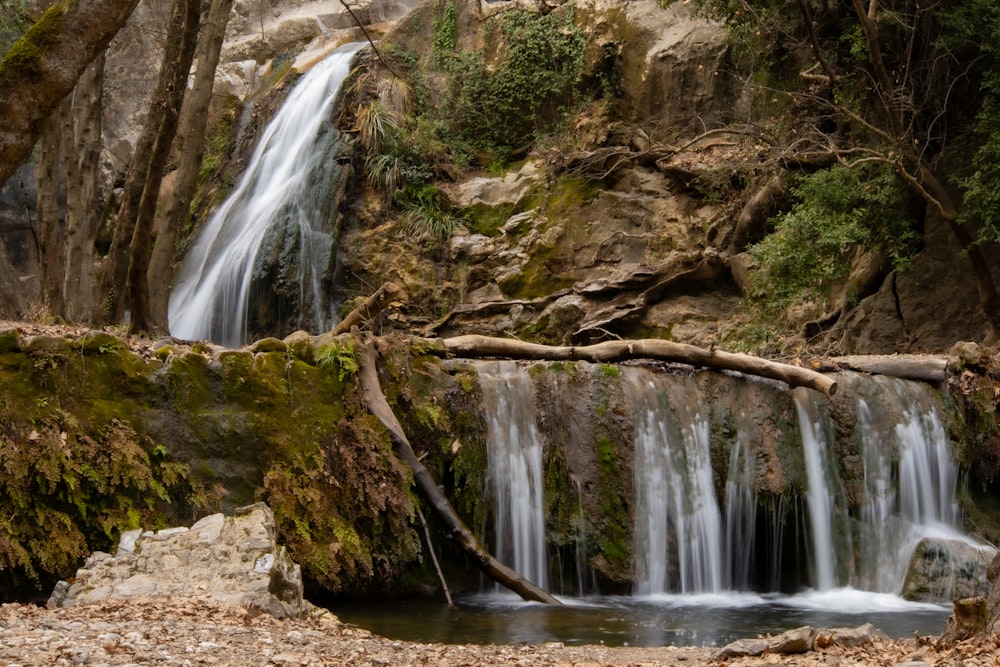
(195, 632)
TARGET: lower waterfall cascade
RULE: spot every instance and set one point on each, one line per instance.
(515, 465)
(701, 521)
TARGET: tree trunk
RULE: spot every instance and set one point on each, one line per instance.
(82, 132)
(375, 401)
(48, 231)
(178, 70)
(44, 66)
(191, 149)
(624, 350)
(114, 272)
(922, 367)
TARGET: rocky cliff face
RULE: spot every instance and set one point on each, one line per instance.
(618, 226)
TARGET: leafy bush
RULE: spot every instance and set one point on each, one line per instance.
(63, 487)
(535, 80)
(837, 211)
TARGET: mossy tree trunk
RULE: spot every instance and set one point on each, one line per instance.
(186, 19)
(44, 66)
(146, 169)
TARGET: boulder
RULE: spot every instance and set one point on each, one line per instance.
(850, 637)
(231, 560)
(798, 640)
(942, 570)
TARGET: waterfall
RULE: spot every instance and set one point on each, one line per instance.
(741, 515)
(880, 532)
(786, 506)
(675, 496)
(278, 208)
(515, 468)
(818, 497)
(910, 480)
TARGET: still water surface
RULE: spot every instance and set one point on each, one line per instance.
(679, 620)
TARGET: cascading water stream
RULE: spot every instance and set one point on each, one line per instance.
(746, 526)
(514, 450)
(819, 499)
(675, 497)
(288, 181)
(915, 500)
(741, 515)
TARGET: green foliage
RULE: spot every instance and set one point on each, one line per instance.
(490, 105)
(343, 507)
(534, 82)
(67, 492)
(978, 23)
(837, 210)
(445, 29)
(339, 355)
(13, 22)
(426, 214)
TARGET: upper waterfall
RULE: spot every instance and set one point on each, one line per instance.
(279, 209)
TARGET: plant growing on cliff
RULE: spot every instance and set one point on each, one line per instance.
(344, 507)
(504, 103)
(62, 487)
(877, 83)
(836, 211)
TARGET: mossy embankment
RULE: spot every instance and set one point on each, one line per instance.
(97, 438)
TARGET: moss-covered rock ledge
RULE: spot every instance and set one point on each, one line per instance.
(97, 437)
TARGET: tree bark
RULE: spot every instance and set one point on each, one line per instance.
(114, 272)
(924, 368)
(917, 172)
(624, 350)
(191, 151)
(44, 66)
(178, 70)
(82, 131)
(48, 232)
(375, 401)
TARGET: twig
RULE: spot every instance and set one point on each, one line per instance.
(430, 549)
(371, 42)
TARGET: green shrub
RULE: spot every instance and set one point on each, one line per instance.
(837, 211)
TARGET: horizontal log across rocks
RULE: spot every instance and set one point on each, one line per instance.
(626, 350)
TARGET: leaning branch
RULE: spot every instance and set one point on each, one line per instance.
(368, 309)
(624, 350)
(371, 42)
(375, 401)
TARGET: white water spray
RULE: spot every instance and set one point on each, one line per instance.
(818, 497)
(514, 449)
(285, 179)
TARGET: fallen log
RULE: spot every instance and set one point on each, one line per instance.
(369, 308)
(930, 369)
(625, 350)
(906, 366)
(375, 402)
